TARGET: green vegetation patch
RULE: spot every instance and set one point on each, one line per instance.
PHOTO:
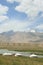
(12, 60)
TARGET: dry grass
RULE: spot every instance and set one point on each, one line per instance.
(23, 47)
(12, 60)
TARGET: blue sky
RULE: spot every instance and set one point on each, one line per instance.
(21, 15)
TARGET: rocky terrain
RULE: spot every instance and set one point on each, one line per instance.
(21, 37)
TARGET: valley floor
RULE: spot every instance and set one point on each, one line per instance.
(12, 60)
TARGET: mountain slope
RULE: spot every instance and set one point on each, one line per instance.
(21, 37)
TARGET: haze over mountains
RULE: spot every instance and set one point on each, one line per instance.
(21, 37)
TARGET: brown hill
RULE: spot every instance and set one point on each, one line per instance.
(21, 37)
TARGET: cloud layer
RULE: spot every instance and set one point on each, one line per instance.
(14, 25)
(3, 12)
(40, 27)
(29, 7)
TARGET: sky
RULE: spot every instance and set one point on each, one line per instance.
(21, 15)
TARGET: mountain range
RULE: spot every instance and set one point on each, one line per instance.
(21, 37)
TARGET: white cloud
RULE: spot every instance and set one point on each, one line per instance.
(30, 7)
(32, 31)
(40, 27)
(2, 18)
(3, 12)
(3, 9)
(11, 1)
(15, 26)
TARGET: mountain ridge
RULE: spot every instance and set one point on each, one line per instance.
(21, 37)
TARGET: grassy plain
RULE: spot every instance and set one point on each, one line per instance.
(23, 47)
(12, 60)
